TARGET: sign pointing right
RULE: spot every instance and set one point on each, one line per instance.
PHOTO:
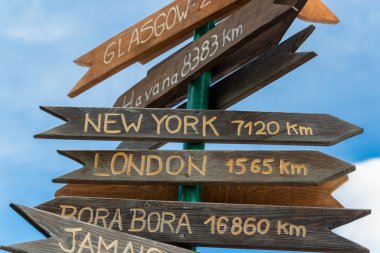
(216, 225)
(198, 126)
(204, 167)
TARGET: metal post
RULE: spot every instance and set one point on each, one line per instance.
(198, 97)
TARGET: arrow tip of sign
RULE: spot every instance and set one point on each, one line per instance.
(316, 11)
(85, 83)
(10, 248)
(27, 214)
(293, 43)
(75, 91)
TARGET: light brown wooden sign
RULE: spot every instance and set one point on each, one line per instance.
(168, 81)
(198, 126)
(317, 11)
(69, 236)
(160, 30)
(204, 167)
(308, 196)
(216, 225)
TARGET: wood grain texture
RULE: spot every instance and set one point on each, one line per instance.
(198, 126)
(204, 167)
(250, 78)
(317, 11)
(168, 81)
(217, 225)
(309, 13)
(88, 238)
(166, 27)
(308, 196)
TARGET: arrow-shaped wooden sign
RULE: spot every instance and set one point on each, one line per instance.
(216, 225)
(198, 126)
(160, 30)
(204, 167)
(308, 196)
(250, 78)
(168, 82)
(66, 235)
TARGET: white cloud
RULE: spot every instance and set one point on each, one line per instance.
(362, 192)
(35, 24)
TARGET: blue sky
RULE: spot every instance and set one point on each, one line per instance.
(40, 39)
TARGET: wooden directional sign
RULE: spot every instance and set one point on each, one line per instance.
(169, 80)
(317, 11)
(198, 126)
(204, 167)
(66, 235)
(250, 78)
(163, 29)
(216, 225)
(308, 196)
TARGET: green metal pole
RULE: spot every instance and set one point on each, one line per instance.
(198, 97)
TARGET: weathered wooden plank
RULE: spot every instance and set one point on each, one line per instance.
(168, 81)
(67, 235)
(250, 78)
(216, 225)
(165, 27)
(204, 167)
(309, 196)
(317, 11)
(198, 126)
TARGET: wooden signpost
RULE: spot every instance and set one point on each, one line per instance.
(216, 225)
(204, 167)
(198, 125)
(250, 78)
(163, 29)
(271, 200)
(169, 80)
(308, 196)
(66, 235)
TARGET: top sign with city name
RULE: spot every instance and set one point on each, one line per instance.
(166, 84)
(156, 33)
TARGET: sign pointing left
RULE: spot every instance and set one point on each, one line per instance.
(67, 235)
(163, 29)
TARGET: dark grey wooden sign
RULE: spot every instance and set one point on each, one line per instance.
(216, 225)
(250, 78)
(67, 235)
(167, 82)
(204, 167)
(198, 126)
